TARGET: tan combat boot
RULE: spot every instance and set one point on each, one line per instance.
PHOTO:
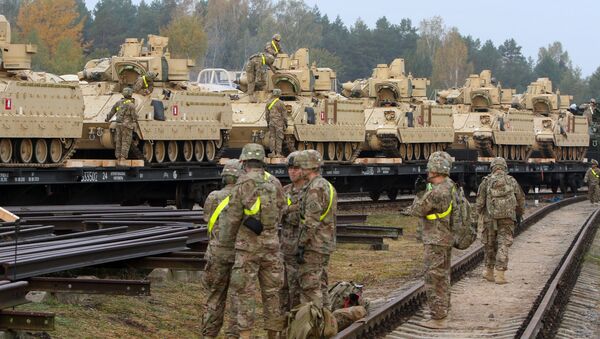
(488, 274)
(246, 334)
(499, 277)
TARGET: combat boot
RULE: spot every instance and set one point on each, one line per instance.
(247, 334)
(499, 277)
(488, 274)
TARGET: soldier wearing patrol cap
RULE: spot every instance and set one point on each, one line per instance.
(276, 116)
(219, 259)
(316, 242)
(145, 84)
(126, 121)
(255, 206)
(273, 47)
(592, 178)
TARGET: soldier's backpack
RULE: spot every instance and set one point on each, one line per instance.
(307, 321)
(500, 196)
(463, 223)
(264, 213)
(344, 294)
(345, 317)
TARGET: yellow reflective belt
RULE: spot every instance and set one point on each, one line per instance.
(127, 101)
(263, 59)
(275, 46)
(272, 103)
(145, 82)
(216, 213)
(254, 209)
(289, 201)
(330, 201)
(440, 215)
(594, 173)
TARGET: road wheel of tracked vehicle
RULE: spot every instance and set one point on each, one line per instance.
(188, 151)
(348, 151)
(172, 150)
(402, 151)
(198, 150)
(319, 146)
(330, 151)
(26, 150)
(6, 150)
(512, 153)
(148, 151)
(56, 150)
(409, 151)
(427, 150)
(506, 151)
(300, 146)
(211, 150)
(41, 151)
(160, 151)
(564, 153)
(523, 153)
(339, 151)
(417, 150)
(571, 153)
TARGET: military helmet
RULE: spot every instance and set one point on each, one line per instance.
(444, 155)
(253, 152)
(291, 158)
(438, 164)
(308, 159)
(594, 162)
(127, 92)
(152, 75)
(232, 167)
(276, 92)
(498, 162)
(277, 37)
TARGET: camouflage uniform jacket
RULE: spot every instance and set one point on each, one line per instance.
(210, 205)
(291, 220)
(275, 111)
(590, 178)
(244, 196)
(125, 111)
(480, 204)
(258, 60)
(273, 47)
(436, 230)
(143, 85)
(318, 210)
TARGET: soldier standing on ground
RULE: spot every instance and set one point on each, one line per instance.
(316, 242)
(145, 83)
(500, 203)
(255, 206)
(435, 208)
(592, 178)
(126, 120)
(256, 73)
(219, 259)
(276, 116)
(290, 227)
(273, 47)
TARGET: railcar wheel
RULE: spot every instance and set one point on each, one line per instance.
(6, 150)
(26, 150)
(198, 150)
(392, 194)
(172, 150)
(148, 151)
(348, 151)
(56, 150)
(160, 151)
(211, 150)
(188, 151)
(41, 151)
(374, 195)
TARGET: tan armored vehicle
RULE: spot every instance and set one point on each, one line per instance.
(559, 134)
(176, 121)
(40, 118)
(317, 118)
(398, 118)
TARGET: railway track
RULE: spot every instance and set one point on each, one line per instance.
(399, 317)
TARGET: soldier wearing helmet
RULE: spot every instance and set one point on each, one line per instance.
(592, 178)
(276, 116)
(145, 84)
(219, 259)
(256, 73)
(316, 241)
(124, 109)
(290, 227)
(255, 206)
(500, 203)
(273, 47)
(435, 208)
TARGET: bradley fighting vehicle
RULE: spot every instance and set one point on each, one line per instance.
(559, 134)
(176, 122)
(398, 118)
(40, 118)
(317, 117)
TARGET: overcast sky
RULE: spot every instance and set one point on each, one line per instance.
(532, 23)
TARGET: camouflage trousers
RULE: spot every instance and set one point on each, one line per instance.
(496, 241)
(314, 279)
(437, 279)
(289, 295)
(594, 193)
(268, 268)
(123, 137)
(255, 75)
(276, 135)
(216, 282)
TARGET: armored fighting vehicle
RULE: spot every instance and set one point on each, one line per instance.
(318, 118)
(41, 118)
(398, 118)
(559, 133)
(177, 122)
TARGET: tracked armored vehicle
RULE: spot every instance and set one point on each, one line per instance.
(398, 118)
(40, 118)
(317, 117)
(177, 122)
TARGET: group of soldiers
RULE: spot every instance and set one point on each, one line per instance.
(245, 245)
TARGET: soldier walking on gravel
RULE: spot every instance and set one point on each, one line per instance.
(256, 73)
(316, 242)
(126, 120)
(592, 178)
(273, 47)
(435, 208)
(145, 84)
(500, 203)
(255, 206)
(276, 116)
(219, 259)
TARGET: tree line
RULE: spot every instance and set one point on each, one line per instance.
(225, 33)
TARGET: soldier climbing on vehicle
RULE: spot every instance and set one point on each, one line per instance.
(256, 74)
(276, 117)
(145, 84)
(273, 47)
(126, 120)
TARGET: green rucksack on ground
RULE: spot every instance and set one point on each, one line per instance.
(307, 321)
(464, 225)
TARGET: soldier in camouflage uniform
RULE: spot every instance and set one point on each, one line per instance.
(255, 207)
(276, 116)
(500, 202)
(273, 47)
(126, 121)
(316, 242)
(435, 208)
(145, 84)
(219, 259)
(592, 178)
(256, 73)
(290, 227)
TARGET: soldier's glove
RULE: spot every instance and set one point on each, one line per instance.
(254, 225)
(420, 185)
(300, 255)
